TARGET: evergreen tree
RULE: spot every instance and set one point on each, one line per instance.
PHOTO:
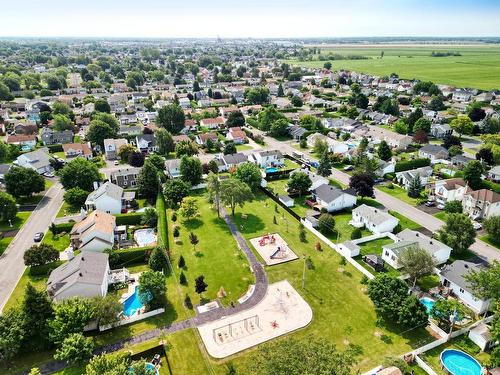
(158, 260)
(38, 311)
(325, 165)
(200, 284)
(147, 181)
(415, 187)
(384, 151)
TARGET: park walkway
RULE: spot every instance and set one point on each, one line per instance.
(261, 286)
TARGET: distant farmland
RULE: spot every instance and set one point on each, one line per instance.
(478, 66)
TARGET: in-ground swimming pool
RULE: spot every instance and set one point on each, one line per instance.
(428, 303)
(271, 169)
(145, 237)
(457, 362)
(132, 304)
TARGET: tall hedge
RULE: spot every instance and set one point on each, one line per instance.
(162, 221)
(412, 164)
(128, 219)
(125, 257)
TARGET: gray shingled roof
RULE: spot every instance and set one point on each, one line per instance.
(87, 267)
(456, 272)
(329, 193)
(109, 189)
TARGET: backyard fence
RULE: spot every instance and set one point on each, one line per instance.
(132, 319)
(276, 199)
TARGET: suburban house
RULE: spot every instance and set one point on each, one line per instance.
(73, 150)
(436, 153)
(377, 135)
(94, 233)
(373, 219)
(213, 123)
(297, 132)
(449, 190)
(38, 160)
(268, 158)
(4, 169)
(231, 161)
(441, 130)
(86, 275)
(332, 198)
(236, 135)
(112, 146)
(406, 177)
(409, 238)
(146, 143)
(52, 137)
(316, 179)
(26, 141)
(385, 167)
(460, 161)
(452, 276)
(173, 168)
(333, 146)
(203, 138)
(124, 177)
(494, 173)
(481, 204)
(109, 198)
(462, 96)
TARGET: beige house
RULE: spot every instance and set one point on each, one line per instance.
(94, 233)
(481, 204)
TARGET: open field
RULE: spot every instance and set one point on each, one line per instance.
(476, 67)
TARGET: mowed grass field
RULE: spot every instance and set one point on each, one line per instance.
(478, 66)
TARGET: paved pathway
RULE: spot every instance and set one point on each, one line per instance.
(261, 285)
(11, 262)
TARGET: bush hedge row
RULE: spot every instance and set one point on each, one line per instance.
(64, 227)
(412, 164)
(128, 219)
(55, 148)
(44, 270)
(122, 258)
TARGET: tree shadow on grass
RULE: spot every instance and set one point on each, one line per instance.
(252, 223)
(192, 224)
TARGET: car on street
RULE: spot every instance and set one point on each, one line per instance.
(348, 168)
(38, 237)
(116, 162)
(440, 206)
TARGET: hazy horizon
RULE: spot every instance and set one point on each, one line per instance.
(252, 19)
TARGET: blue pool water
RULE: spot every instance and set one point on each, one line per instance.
(271, 169)
(132, 304)
(459, 363)
(428, 303)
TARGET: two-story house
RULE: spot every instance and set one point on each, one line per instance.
(109, 198)
(481, 204)
(112, 146)
(94, 233)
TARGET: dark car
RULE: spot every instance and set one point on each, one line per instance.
(430, 203)
(38, 237)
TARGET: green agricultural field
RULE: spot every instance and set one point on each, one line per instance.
(476, 67)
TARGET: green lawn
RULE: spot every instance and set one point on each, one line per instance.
(375, 247)
(66, 209)
(4, 243)
(290, 164)
(428, 282)
(243, 147)
(491, 241)
(476, 67)
(441, 215)
(404, 222)
(18, 292)
(216, 256)
(58, 241)
(17, 223)
(399, 193)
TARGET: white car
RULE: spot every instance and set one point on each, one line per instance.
(477, 225)
(440, 206)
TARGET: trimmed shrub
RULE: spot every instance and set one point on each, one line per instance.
(44, 270)
(355, 234)
(55, 148)
(128, 219)
(412, 164)
(63, 227)
(131, 256)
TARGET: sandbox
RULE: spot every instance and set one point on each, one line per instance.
(273, 249)
(281, 311)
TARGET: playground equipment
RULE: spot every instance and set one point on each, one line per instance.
(237, 330)
(280, 253)
(267, 240)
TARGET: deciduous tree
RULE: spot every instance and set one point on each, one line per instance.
(458, 232)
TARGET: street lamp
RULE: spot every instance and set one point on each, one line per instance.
(304, 273)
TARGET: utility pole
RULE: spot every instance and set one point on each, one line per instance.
(304, 273)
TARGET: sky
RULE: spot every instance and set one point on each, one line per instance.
(250, 18)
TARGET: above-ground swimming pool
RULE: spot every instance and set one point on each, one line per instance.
(457, 362)
(145, 237)
(271, 169)
(428, 303)
(132, 304)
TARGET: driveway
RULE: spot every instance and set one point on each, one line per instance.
(11, 262)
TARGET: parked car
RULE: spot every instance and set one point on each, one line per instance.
(430, 203)
(116, 162)
(440, 206)
(348, 168)
(38, 237)
(476, 225)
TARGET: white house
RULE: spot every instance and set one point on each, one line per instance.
(334, 199)
(481, 204)
(333, 145)
(231, 161)
(453, 275)
(112, 146)
(449, 190)
(373, 219)
(409, 238)
(38, 160)
(86, 275)
(436, 153)
(494, 173)
(94, 233)
(173, 168)
(268, 158)
(109, 198)
(406, 177)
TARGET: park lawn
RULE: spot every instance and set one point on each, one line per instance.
(399, 193)
(17, 223)
(243, 147)
(4, 243)
(491, 241)
(476, 67)
(66, 209)
(432, 357)
(60, 242)
(216, 256)
(341, 309)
